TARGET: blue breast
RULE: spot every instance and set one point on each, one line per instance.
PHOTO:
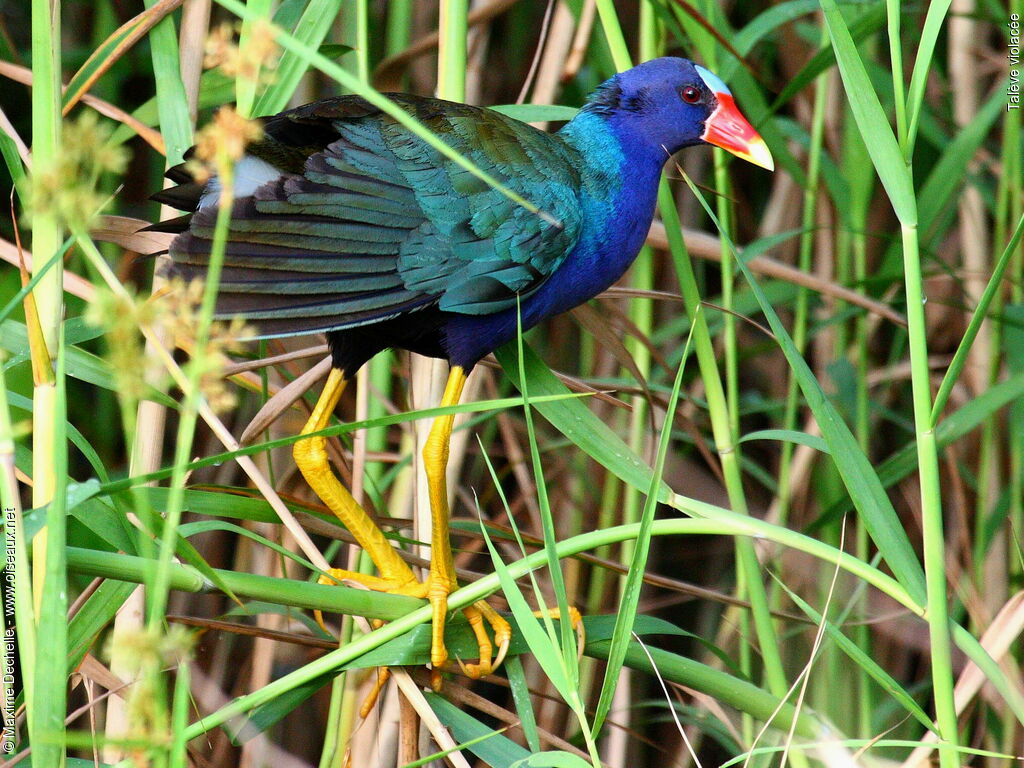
(617, 196)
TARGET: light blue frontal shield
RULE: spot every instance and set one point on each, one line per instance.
(711, 80)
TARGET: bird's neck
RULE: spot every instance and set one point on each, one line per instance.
(610, 147)
(618, 187)
(619, 174)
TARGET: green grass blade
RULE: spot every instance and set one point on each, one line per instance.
(721, 686)
(92, 617)
(191, 529)
(881, 143)
(937, 191)
(788, 435)
(247, 82)
(172, 105)
(863, 660)
(18, 574)
(49, 710)
(872, 20)
(300, 594)
(81, 365)
(46, 583)
(180, 706)
(956, 425)
(15, 166)
(979, 315)
(858, 475)
(630, 598)
(1007, 688)
(966, 418)
(578, 424)
(568, 662)
(310, 30)
(451, 61)
(74, 435)
(101, 59)
(766, 22)
(215, 89)
(536, 113)
(541, 643)
(491, 747)
(520, 688)
(922, 66)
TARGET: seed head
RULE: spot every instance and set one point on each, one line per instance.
(221, 142)
(68, 184)
(253, 61)
(181, 316)
(123, 317)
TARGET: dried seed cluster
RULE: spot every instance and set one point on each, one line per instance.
(173, 314)
(221, 141)
(68, 184)
(253, 61)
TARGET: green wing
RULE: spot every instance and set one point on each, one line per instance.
(366, 221)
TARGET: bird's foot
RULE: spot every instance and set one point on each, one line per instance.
(436, 589)
(408, 586)
(479, 614)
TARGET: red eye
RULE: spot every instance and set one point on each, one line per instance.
(689, 94)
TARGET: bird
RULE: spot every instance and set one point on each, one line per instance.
(346, 223)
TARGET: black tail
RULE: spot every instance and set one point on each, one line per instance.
(184, 195)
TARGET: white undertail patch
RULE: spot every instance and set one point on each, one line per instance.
(250, 174)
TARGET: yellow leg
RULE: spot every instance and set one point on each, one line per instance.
(395, 575)
(442, 581)
(311, 458)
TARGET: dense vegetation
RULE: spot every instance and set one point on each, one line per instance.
(779, 468)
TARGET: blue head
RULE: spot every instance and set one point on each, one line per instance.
(670, 103)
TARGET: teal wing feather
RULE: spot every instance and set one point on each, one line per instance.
(367, 221)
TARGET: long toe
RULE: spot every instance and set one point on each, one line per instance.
(376, 583)
(476, 622)
(383, 673)
(500, 627)
(438, 650)
(575, 621)
(480, 616)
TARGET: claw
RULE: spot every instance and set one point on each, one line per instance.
(581, 633)
(502, 649)
(502, 633)
(475, 671)
(472, 671)
(476, 622)
(502, 636)
(318, 614)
